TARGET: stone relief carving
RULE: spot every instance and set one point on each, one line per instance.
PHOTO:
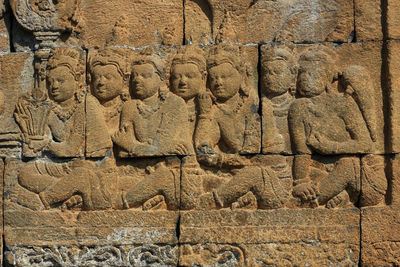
(278, 85)
(350, 130)
(45, 15)
(145, 255)
(203, 107)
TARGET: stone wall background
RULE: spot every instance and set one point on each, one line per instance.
(360, 32)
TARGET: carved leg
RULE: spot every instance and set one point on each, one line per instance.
(244, 180)
(31, 179)
(82, 182)
(345, 176)
(160, 182)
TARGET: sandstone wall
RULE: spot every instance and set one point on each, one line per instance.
(200, 133)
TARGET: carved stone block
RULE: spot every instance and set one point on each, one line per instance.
(46, 227)
(264, 21)
(16, 80)
(235, 182)
(285, 103)
(368, 20)
(254, 238)
(380, 228)
(153, 22)
(300, 21)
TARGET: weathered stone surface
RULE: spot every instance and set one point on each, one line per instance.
(380, 228)
(4, 29)
(263, 21)
(393, 20)
(2, 222)
(270, 237)
(368, 19)
(393, 83)
(394, 185)
(130, 23)
(16, 80)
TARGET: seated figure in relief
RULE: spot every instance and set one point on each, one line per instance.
(326, 122)
(155, 121)
(64, 129)
(226, 126)
(188, 77)
(279, 70)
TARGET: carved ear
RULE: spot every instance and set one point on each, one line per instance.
(78, 77)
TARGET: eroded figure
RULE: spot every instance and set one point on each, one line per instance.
(226, 124)
(155, 121)
(278, 85)
(325, 122)
(355, 82)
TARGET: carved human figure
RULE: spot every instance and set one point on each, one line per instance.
(223, 127)
(227, 122)
(278, 70)
(108, 78)
(65, 125)
(188, 79)
(355, 83)
(155, 121)
(323, 121)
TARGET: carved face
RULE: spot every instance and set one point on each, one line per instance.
(312, 78)
(277, 77)
(224, 81)
(145, 81)
(107, 82)
(186, 80)
(61, 84)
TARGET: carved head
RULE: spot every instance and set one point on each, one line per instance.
(279, 69)
(108, 72)
(188, 72)
(64, 75)
(147, 75)
(316, 71)
(224, 72)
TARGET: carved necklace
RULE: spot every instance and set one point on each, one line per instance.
(146, 110)
(227, 108)
(112, 111)
(66, 113)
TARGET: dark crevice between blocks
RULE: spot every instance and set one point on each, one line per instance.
(184, 22)
(10, 21)
(360, 220)
(2, 212)
(259, 71)
(178, 221)
(353, 35)
(87, 88)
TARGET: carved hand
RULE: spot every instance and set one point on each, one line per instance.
(37, 144)
(205, 103)
(210, 159)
